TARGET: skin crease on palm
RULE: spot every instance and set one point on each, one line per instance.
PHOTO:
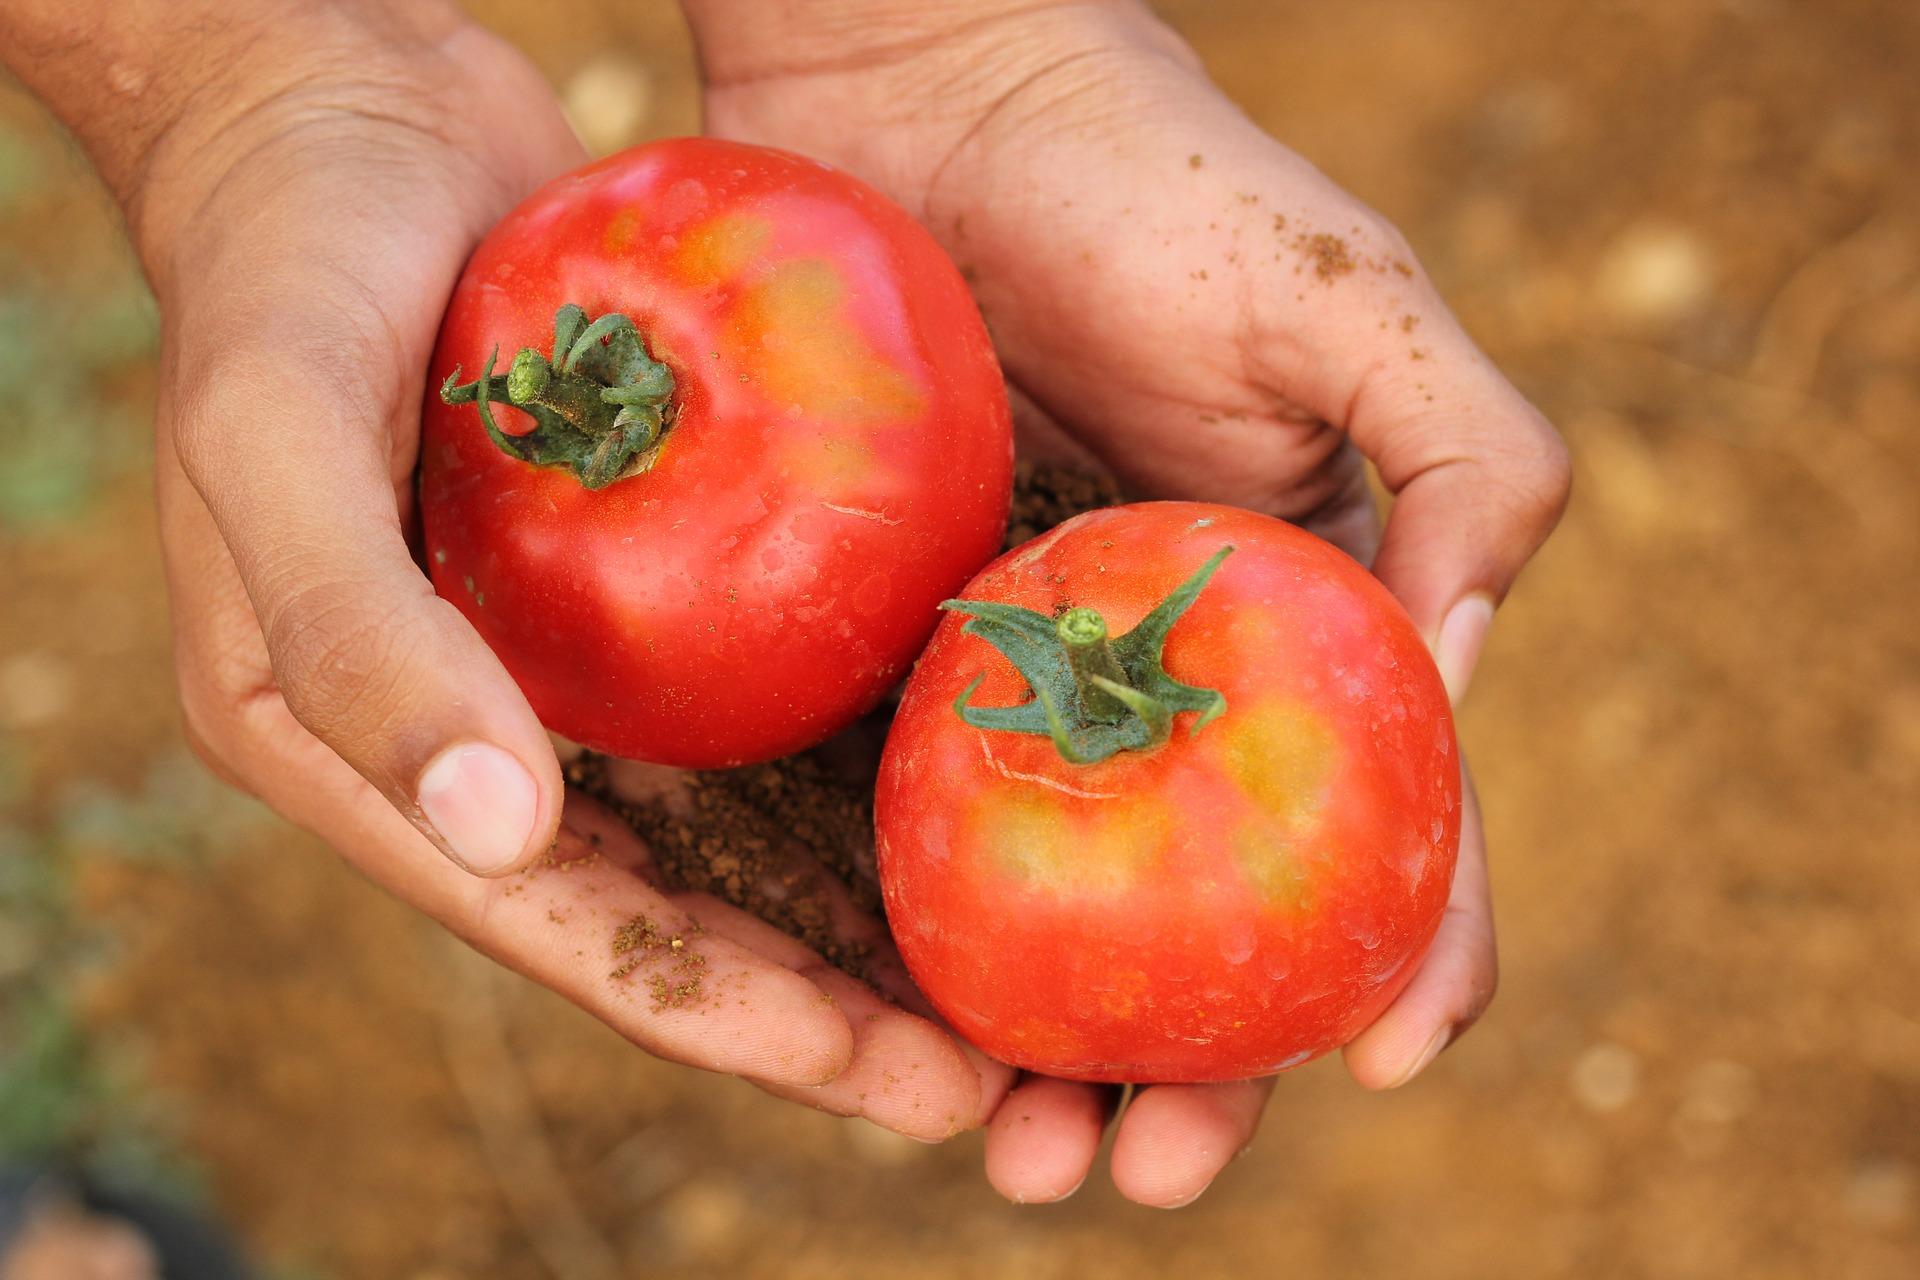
(302, 215)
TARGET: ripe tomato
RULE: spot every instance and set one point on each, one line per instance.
(718, 533)
(1256, 849)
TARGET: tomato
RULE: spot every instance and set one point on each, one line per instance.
(720, 532)
(1255, 848)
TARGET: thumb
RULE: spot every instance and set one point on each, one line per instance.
(298, 476)
(1479, 480)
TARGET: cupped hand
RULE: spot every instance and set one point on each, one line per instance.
(302, 226)
(1197, 308)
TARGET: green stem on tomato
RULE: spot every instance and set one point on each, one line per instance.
(600, 403)
(1083, 634)
(1092, 695)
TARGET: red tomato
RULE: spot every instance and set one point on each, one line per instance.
(729, 558)
(1228, 902)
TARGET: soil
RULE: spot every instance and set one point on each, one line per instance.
(763, 838)
(1047, 493)
(1686, 228)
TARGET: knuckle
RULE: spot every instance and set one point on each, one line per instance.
(337, 661)
(1485, 989)
(207, 398)
(1387, 241)
(1483, 986)
(219, 381)
(1525, 469)
(1543, 476)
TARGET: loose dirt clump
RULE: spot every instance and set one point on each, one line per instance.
(1328, 254)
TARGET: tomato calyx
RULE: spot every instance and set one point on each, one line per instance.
(600, 403)
(1094, 696)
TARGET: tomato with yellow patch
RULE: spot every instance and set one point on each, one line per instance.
(1225, 900)
(818, 450)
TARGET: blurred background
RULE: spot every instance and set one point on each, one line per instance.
(1690, 229)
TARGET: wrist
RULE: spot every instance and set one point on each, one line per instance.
(922, 79)
(155, 91)
(745, 40)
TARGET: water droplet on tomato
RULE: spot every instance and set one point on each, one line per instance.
(1362, 932)
(1237, 940)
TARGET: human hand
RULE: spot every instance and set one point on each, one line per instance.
(302, 213)
(1200, 310)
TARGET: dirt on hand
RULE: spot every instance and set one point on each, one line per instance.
(639, 943)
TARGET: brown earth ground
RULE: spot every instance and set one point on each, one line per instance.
(1689, 230)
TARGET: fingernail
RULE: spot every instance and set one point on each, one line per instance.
(1461, 634)
(1427, 1055)
(482, 801)
(1185, 1200)
(1069, 1193)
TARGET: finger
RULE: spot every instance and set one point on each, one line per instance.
(1039, 436)
(1043, 1139)
(296, 474)
(1174, 1139)
(1348, 518)
(908, 1071)
(1455, 981)
(653, 972)
(888, 975)
(906, 1074)
(1479, 480)
(563, 928)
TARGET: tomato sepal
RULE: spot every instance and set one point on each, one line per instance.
(1094, 697)
(600, 403)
